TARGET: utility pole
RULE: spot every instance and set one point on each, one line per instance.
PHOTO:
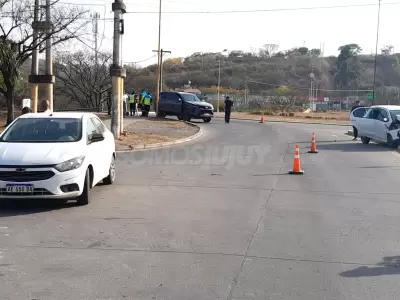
(159, 60)
(48, 78)
(219, 77)
(160, 75)
(219, 81)
(95, 28)
(245, 93)
(376, 52)
(49, 55)
(33, 82)
(117, 71)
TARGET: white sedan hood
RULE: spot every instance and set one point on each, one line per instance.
(38, 153)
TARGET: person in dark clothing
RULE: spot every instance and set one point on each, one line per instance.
(356, 106)
(228, 107)
(355, 131)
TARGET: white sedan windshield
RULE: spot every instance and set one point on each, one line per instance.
(43, 130)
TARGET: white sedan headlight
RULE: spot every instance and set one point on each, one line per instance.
(71, 164)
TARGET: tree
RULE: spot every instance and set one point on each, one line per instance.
(284, 98)
(8, 66)
(268, 50)
(303, 51)
(315, 52)
(347, 68)
(350, 49)
(16, 33)
(387, 50)
(82, 79)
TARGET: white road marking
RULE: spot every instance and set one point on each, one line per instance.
(3, 227)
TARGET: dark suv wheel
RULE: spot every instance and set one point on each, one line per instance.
(186, 115)
(161, 114)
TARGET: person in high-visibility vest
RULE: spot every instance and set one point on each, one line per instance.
(136, 105)
(147, 100)
(141, 98)
(132, 104)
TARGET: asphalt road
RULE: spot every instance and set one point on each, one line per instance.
(219, 219)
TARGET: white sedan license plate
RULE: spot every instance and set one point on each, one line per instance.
(20, 188)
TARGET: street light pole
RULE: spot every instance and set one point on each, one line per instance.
(376, 50)
(219, 77)
(219, 80)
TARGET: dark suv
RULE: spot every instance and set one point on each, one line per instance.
(185, 106)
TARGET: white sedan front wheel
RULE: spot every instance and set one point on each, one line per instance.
(110, 179)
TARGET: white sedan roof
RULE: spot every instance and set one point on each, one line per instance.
(388, 107)
(72, 115)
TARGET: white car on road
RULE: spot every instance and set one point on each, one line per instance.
(380, 123)
(55, 156)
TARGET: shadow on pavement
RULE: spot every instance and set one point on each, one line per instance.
(14, 207)
(389, 266)
(354, 147)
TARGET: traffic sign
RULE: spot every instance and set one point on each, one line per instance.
(326, 99)
(26, 103)
(371, 96)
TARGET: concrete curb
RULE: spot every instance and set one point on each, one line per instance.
(284, 121)
(195, 136)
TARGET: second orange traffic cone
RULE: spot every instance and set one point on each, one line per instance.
(313, 145)
(262, 118)
(296, 163)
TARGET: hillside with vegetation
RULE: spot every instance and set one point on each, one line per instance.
(83, 82)
(267, 69)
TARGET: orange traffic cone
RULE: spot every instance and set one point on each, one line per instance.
(313, 145)
(262, 118)
(296, 163)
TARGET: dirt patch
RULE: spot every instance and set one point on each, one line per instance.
(147, 131)
(130, 139)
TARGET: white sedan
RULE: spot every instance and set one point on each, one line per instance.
(55, 156)
(380, 123)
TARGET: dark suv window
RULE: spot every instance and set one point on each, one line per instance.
(169, 96)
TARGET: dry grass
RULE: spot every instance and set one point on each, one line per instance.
(128, 139)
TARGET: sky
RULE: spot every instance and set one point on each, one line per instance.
(186, 33)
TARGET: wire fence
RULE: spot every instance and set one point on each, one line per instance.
(327, 100)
